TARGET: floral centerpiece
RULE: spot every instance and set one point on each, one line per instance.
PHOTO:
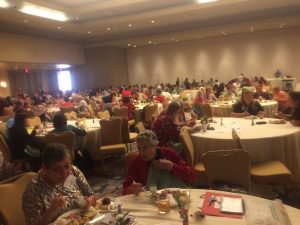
(122, 219)
(182, 198)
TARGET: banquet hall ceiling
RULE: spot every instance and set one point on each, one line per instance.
(129, 23)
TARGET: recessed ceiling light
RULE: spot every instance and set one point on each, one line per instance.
(282, 25)
(130, 25)
(150, 42)
(205, 1)
(41, 11)
(251, 29)
(4, 4)
(76, 18)
(152, 21)
(59, 27)
(108, 28)
(89, 32)
(224, 32)
(134, 46)
(176, 40)
(25, 21)
(3, 84)
(128, 44)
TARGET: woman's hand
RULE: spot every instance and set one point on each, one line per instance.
(136, 188)
(92, 200)
(163, 164)
(57, 204)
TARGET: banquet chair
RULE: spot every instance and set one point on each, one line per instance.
(66, 138)
(139, 127)
(127, 136)
(11, 192)
(111, 138)
(33, 122)
(91, 111)
(206, 109)
(71, 115)
(4, 118)
(66, 109)
(129, 157)
(103, 114)
(189, 151)
(149, 112)
(231, 167)
(271, 172)
(123, 113)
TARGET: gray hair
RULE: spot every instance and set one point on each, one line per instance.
(149, 136)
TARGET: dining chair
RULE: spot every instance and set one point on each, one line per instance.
(91, 111)
(123, 113)
(206, 109)
(33, 121)
(111, 138)
(103, 114)
(231, 167)
(4, 118)
(149, 112)
(11, 192)
(272, 172)
(66, 138)
(190, 152)
(127, 136)
(71, 115)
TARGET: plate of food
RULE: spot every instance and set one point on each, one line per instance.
(103, 205)
(77, 216)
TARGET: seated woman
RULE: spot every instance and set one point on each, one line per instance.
(160, 98)
(197, 102)
(167, 127)
(60, 125)
(247, 105)
(126, 101)
(58, 188)
(156, 166)
(19, 139)
(294, 103)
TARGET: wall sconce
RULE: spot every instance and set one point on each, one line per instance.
(3, 84)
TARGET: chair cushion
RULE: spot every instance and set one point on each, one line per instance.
(271, 172)
(199, 167)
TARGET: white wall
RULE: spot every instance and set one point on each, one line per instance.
(19, 48)
(224, 58)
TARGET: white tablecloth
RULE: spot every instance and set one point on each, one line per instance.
(224, 109)
(146, 211)
(264, 142)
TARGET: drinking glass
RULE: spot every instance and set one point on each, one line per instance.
(164, 204)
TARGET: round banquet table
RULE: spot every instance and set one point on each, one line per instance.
(139, 108)
(223, 109)
(263, 142)
(145, 211)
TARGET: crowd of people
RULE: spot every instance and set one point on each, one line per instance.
(60, 186)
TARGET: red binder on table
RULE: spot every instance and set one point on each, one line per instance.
(208, 207)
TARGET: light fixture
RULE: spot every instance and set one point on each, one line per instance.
(59, 27)
(152, 21)
(25, 21)
(41, 11)
(4, 4)
(224, 32)
(130, 25)
(128, 44)
(89, 32)
(3, 84)
(108, 28)
(205, 1)
(251, 29)
(150, 42)
(62, 66)
(282, 25)
(134, 46)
